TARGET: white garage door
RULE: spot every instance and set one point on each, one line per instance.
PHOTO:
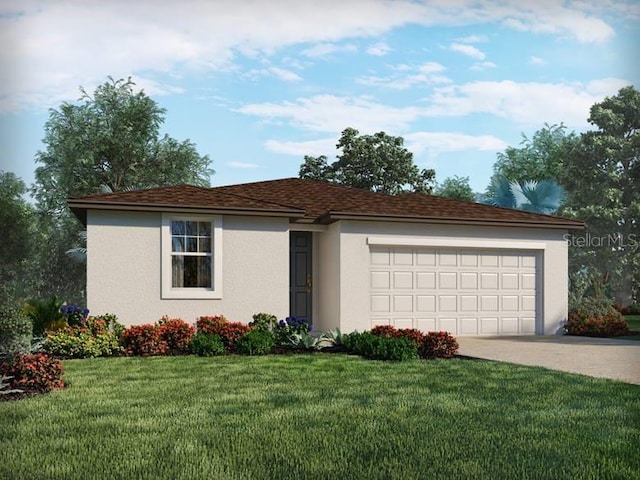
(463, 291)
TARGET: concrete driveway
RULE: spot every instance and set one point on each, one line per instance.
(595, 357)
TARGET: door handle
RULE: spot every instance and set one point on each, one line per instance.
(309, 283)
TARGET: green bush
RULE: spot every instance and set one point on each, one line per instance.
(438, 345)
(611, 324)
(45, 314)
(15, 331)
(255, 342)
(92, 339)
(378, 347)
(396, 349)
(264, 321)
(593, 306)
(206, 345)
(112, 323)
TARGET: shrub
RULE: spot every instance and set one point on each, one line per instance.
(5, 386)
(176, 333)
(611, 324)
(380, 347)
(143, 340)
(438, 345)
(230, 332)
(593, 306)
(45, 314)
(264, 321)
(36, 373)
(92, 339)
(289, 326)
(255, 342)
(73, 314)
(206, 345)
(413, 334)
(394, 348)
(15, 331)
(633, 309)
(385, 331)
(112, 323)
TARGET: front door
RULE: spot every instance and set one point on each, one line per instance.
(300, 276)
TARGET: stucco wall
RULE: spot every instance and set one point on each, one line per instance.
(354, 271)
(327, 279)
(123, 269)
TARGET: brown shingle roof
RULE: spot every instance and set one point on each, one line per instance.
(314, 202)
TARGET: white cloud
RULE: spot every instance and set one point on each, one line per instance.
(405, 77)
(242, 165)
(468, 50)
(51, 47)
(326, 49)
(524, 103)
(379, 49)
(323, 146)
(434, 143)
(330, 113)
(279, 73)
(536, 61)
(482, 65)
(472, 39)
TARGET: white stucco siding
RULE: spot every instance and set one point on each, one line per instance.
(326, 301)
(549, 245)
(124, 269)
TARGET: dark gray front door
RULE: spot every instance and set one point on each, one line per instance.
(300, 278)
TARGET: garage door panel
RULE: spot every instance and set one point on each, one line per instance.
(425, 303)
(448, 303)
(469, 326)
(448, 280)
(464, 291)
(426, 324)
(403, 280)
(489, 326)
(381, 280)
(426, 280)
(403, 303)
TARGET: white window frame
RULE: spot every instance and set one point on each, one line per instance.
(168, 291)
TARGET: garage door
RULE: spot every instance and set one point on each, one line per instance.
(463, 291)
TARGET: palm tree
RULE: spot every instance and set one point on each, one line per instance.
(543, 196)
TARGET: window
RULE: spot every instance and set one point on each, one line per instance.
(192, 260)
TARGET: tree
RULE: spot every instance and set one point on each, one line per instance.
(544, 196)
(457, 188)
(17, 218)
(111, 139)
(378, 162)
(602, 178)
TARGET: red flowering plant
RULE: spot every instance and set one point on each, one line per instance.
(609, 324)
(438, 345)
(143, 340)
(389, 331)
(229, 332)
(37, 373)
(176, 333)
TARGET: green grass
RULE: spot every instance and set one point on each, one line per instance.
(321, 417)
(633, 321)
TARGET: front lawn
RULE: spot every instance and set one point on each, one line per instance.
(633, 321)
(320, 417)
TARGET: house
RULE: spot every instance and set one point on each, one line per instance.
(339, 256)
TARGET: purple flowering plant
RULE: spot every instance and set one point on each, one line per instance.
(74, 314)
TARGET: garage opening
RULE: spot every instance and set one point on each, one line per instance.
(465, 291)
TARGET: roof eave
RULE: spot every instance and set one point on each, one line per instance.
(334, 216)
(79, 208)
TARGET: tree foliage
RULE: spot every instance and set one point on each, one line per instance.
(456, 187)
(108, 141)
(378, 162)
(17, 227)
(602, 177)
(112, 139)
(544, 196)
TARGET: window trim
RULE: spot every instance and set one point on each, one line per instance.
(170, 292)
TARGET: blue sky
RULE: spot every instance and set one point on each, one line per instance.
(259, 84)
